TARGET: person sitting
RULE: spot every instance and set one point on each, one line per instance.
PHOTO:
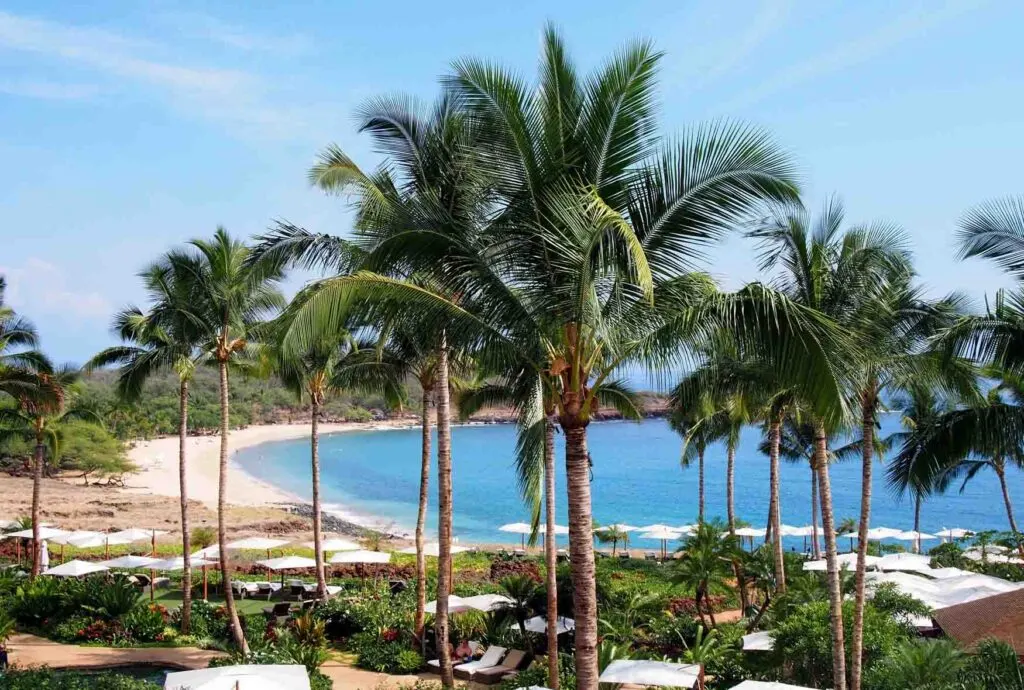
(464, 651)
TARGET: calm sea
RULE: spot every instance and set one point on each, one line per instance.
(636, 479)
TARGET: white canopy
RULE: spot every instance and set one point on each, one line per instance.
(750, 531)
(44, 533)
(640, 672)
(539, 624)
(77, 534)
(178, 563)
(433, 549)
(758, 642)
(136, 534)
(75, 569)
(955, 533)
(487, 602)
(288, 563)
(561, 529)
(687, 529)
(657, 528)
(456, 604)
(209, 552)
(765, 685)
(361, 556)
(876, 533)
(791, 531)
(9, 524)
(662, 534)
(845, 560)
(516, 528)
(334, 545)
(904, 561)
(131, 562)
(270, 677)
(914, 536)
(256, 544)
(99, 541)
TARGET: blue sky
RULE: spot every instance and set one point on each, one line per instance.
(126, 127)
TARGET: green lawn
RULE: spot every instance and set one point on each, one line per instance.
(171, 598)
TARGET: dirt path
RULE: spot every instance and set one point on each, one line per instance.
(29, 650)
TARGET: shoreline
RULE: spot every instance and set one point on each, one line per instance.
(157, 460)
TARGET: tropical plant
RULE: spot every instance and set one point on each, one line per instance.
(18, 338)
(706, 562)
(701, 425)
(521, 591)
(614, 535)
(163, 339)
(920, 665)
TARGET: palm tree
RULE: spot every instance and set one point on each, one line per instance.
(166, 338)
(701, 426)
(612, 535)
(707, 556)
(18, 338)
(521, 591)
(42, 411)
(924, 664)
(588, 250)
(231, 294)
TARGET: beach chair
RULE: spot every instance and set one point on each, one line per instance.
(161, 583)
(514, 662)
(263, 589)
(491, 658)
(624, 556)
(296, 592)
(434, 665)
(650, 556)
(280, 610)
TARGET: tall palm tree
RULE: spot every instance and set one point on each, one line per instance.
(701, 426)
(166, 338)
(587, 248)
(231, 295)
(43, 409)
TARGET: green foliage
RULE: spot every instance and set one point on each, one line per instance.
(947, 555)
(144, 623)
(993, 666)
(384, 655)
(108, 599)
(918, 665)
(91, 450)
(48, 679)
(537, 675)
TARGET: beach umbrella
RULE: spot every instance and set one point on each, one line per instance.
(487, 602)
(361, 556)
(915, 537)
(77, 534)
(657, 527)
(619, 526)
(247, 677)
(99, 540)
(456, 604)
(520, 528)
(256, 544)
(44, 533)
(952, 533)
(134, 534)
(212, 551)
(845, 560)
(539, 625)
(9, 524)
(904, 561)
(75, 569)
(178, 563)
(287, 563)
(642, 672)
(663, 535)
(758, 642)
(131, 562)
(334, 545)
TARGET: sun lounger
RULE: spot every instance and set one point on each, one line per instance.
(510, 665)
(434, 665)
(650, 556)
(162, 582)
(280, 610)
(265, 589)
(491, 658)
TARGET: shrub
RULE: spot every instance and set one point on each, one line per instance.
(338, 617)
(108, 599)
(502, 568)
(384, 656)
(71, 629)
(145, 623)
(48, 679)
(38, 601)
(204, 621)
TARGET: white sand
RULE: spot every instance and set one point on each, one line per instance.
(158, 463)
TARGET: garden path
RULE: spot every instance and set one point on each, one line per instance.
(29, 650)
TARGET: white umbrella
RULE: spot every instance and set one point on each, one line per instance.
(687, 529)
(766, 685)
(758, 642)
(131, 562)
(456, 604)
(561, 529)
(44, 533)
(640, 672)
(288, 563)
(212, 551)
(334, 545)
(520, 528)
(876, 533)
(487, 602)
(77, 534)
(361, 556)
(178, 563)
(9, 524)
(911, 562)
(270, 677)
(256, 544)
(846, 560)
(619, 526)
(955, 533)
(135, 534)
(663, 535)
(658, 527)
(75, 569)
(791, 531)
(539, 624)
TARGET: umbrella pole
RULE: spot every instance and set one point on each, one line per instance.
(205, 595)
(152, 586)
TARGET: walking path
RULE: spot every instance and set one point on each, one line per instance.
(29, 650)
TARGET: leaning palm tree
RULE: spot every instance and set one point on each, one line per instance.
(39, 418)
(587, 244)
(701, 425)
(230, 296)
(164, 339)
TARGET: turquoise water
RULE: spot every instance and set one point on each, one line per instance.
(636, 480)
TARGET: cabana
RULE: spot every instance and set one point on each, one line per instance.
(640, 672)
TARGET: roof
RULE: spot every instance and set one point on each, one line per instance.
(1000, 616)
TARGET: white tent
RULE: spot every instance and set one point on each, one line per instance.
(539, 624)
(256, 544)
(75, 569)
(845, 561)
(136, 534)
(904, 561)
(178, 563)
(433, 549)
(76, 535)
(288, 563)
(758, 642)
(131, 562)
(639, 672)
(750, 531)
(44, 533)
(334, 545)
(765, 685)
(361, 556)
(270, 677)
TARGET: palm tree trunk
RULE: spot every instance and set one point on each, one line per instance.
(1001, 473)
(186, 546)
(318, 537)
(867, 423)
(581, 551)
(37, 486)
(774, 439)
(815, 546)
(700, 484)
(730, 511)
(835, 595)
(700, 610)
(222, 534)
(550, 551)
(917, 521)
(421, 517)
(444, 516)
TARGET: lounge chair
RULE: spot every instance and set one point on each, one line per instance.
(297, 592)
(434, 665)
(491, 658)
(281, 609)
(515, 661)
(519, 553)
(264, 589)
(650, 556)
(162, 582)
(624, 556)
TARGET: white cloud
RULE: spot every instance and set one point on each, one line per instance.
(858, 50)
(206, 27)
(49, 90)
(232, 97)
(39, 288)
(772, 17)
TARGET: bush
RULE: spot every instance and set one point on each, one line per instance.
(383, 655)
(205, 621)
(109, 599)
(71, 629)
(35, 603)
(145, 623)
(338, 617)
(48, 679)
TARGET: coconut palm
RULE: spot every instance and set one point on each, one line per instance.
(231, 295)
(612, 535)
(521, 591)
(43, 409)
(701, 425)
(164, 339)
(18, 338)
(707, 557)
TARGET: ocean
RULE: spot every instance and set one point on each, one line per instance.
(637, 479)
